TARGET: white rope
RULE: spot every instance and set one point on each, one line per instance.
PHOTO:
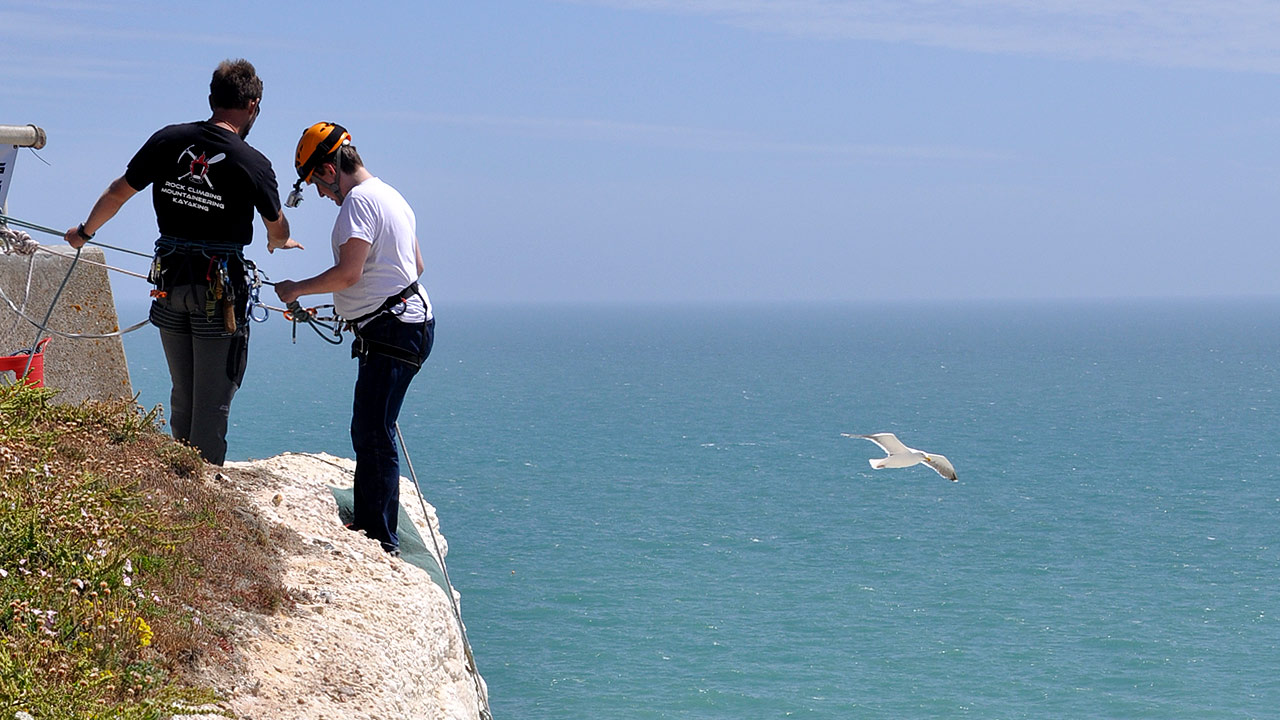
(485, 712)
(481, 693)
(18, 241)
(140, 276)
(74, 336)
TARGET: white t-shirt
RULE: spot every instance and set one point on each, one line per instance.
(376, 213)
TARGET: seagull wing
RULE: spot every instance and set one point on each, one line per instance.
(941, 465)
(888, 442)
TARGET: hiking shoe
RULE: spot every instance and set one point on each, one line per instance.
(392, 550)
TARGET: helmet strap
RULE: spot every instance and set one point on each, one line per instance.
(335, 186)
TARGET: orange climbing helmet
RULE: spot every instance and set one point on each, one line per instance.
(319, 143)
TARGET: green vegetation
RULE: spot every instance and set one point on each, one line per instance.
(118, 559)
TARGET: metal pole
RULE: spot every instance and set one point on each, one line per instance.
(23, 136)
(18, 136)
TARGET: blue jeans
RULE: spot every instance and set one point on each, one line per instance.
(380, 390)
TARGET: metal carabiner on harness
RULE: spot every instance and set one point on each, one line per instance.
(255, 288)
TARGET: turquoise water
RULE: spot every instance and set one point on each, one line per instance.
(652, 514)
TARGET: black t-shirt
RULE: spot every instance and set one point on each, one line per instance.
(206, 183)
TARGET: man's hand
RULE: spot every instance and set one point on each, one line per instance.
(288, 244)
(287, 291)
(74, 238)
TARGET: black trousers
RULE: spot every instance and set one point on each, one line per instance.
(206, 366)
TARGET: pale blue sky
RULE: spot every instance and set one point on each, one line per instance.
(713, 150)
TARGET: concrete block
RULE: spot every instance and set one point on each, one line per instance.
(79, 368)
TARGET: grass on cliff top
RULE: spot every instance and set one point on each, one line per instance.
(118, 557)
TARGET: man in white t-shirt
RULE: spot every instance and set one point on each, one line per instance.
(374, 281)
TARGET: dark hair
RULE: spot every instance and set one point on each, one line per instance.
(348, 159)
(235, 83)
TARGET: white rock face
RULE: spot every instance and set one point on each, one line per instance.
(371, 637)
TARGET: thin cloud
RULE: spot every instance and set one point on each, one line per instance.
(691, 138)
(116, 24)
(28, 74)
(1240, 35)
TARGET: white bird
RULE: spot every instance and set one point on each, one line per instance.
(900, 456)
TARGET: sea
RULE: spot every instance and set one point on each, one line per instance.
(652, 513)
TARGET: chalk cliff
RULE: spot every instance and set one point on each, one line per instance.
(370, 636)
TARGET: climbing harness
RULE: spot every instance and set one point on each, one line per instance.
(395, 305)
(221, 268)
(174, 257)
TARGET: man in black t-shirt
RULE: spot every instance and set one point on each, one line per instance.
(206, 183)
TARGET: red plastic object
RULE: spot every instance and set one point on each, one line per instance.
(18, 363)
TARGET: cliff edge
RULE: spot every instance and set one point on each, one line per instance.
(370, 636)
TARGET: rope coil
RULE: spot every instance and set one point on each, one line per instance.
(17, 241)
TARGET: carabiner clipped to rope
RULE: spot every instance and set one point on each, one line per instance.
(298, 314)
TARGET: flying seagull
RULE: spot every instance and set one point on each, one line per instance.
(901, 456)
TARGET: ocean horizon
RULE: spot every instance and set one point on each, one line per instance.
(652, 514)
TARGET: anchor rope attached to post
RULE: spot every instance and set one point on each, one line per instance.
(20, 242)
(43, 325)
